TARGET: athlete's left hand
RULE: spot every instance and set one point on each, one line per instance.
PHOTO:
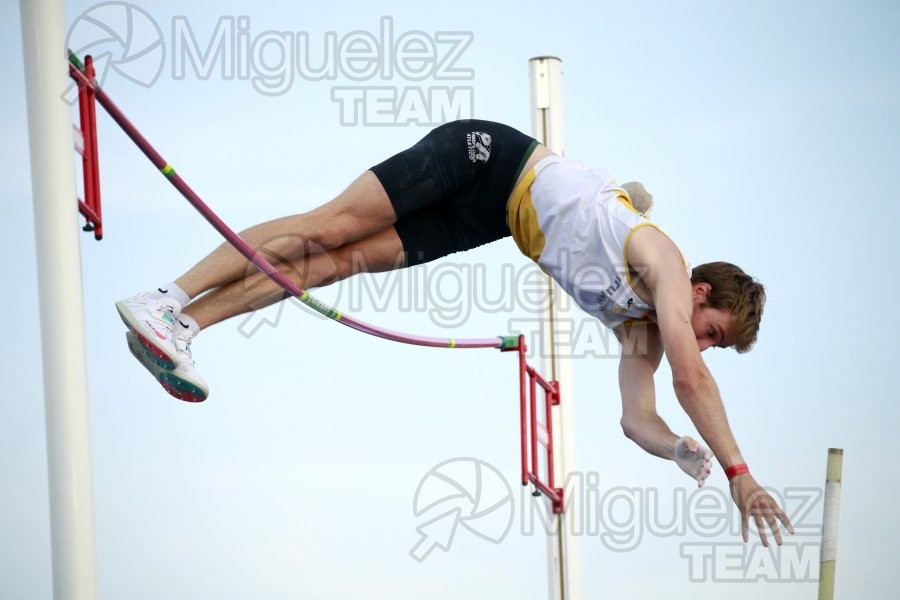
(753, 500)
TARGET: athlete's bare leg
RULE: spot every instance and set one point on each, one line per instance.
(360, 211)
(353, 233)
(382, 251)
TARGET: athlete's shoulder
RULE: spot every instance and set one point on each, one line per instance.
(648, 247)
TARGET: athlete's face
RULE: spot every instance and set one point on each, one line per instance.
(712, 326)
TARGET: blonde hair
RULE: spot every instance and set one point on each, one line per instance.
(738, 293)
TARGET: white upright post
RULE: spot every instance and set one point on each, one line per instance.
(830, 522)
(61, 301)
(556, 328)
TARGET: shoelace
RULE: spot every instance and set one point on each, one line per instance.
(183, 347)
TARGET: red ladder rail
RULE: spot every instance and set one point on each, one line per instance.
(90, 206)
(529, 428)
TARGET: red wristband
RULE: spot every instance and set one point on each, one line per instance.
(735, 470)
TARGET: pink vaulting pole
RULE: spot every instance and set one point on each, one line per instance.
(257, 259)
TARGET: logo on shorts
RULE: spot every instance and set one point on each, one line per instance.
(479, 146)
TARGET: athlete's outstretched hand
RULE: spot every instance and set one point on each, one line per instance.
(694, 459)
(754, 501)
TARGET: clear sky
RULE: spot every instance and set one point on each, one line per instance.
(768, 133)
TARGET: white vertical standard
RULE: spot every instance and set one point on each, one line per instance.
(830, 522)
(556, 327)
(60, 300)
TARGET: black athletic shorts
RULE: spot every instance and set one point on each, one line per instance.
(449, 190)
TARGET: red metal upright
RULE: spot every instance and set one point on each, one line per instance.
(523, 410)
(90, 207)
(95, 161)
(529, 382)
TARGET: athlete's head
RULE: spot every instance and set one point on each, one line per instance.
(728, 306)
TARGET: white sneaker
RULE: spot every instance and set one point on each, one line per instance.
(182, 382)
(152, 321)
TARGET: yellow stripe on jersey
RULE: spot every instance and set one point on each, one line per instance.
(628, 268)
(625, 199)
(523, 221)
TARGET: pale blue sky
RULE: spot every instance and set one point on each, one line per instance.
(768, 133)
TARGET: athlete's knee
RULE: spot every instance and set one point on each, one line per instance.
(332, 235)
(308, 235)
(344, 263)
(322, 269)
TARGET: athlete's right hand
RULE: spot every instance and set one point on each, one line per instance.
(694, 459)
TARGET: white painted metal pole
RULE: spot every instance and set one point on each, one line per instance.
(830, 522)
(556, 328)
(546, 101)
(61, 301)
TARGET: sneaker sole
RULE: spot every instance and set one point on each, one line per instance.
(160, 355)
(175, 386)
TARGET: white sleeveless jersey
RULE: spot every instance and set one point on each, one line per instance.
(575, 222)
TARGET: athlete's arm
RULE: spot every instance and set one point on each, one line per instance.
(666, 278)
(641, 355)
(642, 351)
